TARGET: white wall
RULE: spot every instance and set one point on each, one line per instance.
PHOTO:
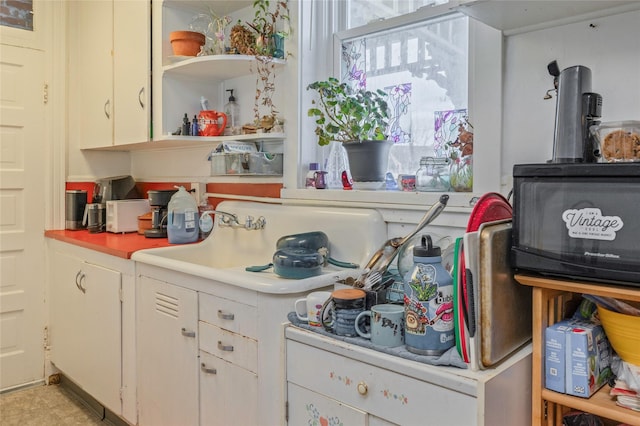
(609, 48)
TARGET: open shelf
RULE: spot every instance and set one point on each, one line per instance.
(220, 67)
(550, 296)
(600, 404)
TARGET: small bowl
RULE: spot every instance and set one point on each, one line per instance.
(186, 43)
(623, 332)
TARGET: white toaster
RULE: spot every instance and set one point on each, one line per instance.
(122, 215)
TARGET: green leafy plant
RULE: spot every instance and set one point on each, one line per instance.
(344, 114)
(265, 23)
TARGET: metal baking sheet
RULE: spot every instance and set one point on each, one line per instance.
(504, 319)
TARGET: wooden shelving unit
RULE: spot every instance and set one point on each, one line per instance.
(550, 298)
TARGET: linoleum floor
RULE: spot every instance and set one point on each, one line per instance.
(52, 405)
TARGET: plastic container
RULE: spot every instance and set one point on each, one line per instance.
(232, 109)
(182, 218)
(428, 301)
(618, 141)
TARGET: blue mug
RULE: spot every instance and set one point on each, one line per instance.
(386, 325)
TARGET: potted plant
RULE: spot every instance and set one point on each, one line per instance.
(357, 118)
(262, 39)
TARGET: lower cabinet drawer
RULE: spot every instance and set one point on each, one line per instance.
(386, 394)
(228, 314)
(235, 348)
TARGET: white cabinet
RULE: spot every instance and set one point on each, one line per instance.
(168, 367)
(229, 372)
(332, 382)
(109, 70)
(89, 344)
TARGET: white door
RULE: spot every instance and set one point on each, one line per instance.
(22, 215)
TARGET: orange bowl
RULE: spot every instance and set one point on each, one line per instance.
(623, 332)
(186, 43)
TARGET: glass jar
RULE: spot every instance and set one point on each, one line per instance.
(433, 174)
(462, 174)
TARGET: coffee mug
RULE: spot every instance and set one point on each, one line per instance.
(339, 312)
(312, 306)
(387, 325)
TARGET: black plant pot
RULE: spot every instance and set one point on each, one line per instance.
(368, 160)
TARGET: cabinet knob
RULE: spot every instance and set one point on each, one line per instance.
(186, 333)
(207, 370)
(227, 348)
(363, 388)
(225, 315)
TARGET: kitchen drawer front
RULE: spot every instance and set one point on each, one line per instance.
(310, 408)
(383, 393)
(230, 315)
(232, 347)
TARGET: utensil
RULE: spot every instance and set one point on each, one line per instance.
(382, 258)
(372, 279)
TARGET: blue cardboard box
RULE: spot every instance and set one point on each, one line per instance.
(589, 359)
(555, 355)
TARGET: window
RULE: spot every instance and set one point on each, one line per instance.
(423, 67)
(436, 62)
(17, 14)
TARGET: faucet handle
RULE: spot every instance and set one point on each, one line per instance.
(248, 222)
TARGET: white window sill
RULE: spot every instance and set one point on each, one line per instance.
(458, 201)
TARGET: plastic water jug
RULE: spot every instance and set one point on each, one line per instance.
(182, 219)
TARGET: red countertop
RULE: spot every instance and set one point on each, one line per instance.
(120, 245)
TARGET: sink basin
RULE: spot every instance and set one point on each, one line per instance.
(354, 235)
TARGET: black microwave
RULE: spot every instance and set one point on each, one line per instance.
(579, 221)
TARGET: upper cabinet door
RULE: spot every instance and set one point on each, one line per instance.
(132, 71)
(92, 45)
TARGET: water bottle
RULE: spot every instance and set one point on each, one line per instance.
(182, 219)
(428, 302)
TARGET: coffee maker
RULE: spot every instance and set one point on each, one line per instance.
(577, 109)
(158, 201)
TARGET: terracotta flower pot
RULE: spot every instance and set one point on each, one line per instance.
(186, 43)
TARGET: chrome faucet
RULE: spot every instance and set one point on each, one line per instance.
(231, 220)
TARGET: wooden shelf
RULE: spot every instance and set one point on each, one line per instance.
(550, 298)
(598, 289)
(600, 404)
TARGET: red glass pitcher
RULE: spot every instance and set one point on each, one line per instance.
(211, 123)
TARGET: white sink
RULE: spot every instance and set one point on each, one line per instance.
(354, 235)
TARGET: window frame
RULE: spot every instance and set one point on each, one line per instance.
(484, 105)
